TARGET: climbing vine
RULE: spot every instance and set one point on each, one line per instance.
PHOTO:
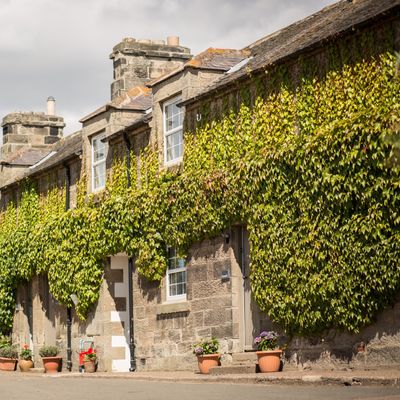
(307, 168)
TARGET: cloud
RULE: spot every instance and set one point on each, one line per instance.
(61, 47)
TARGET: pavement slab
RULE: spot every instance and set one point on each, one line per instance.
(314, 377)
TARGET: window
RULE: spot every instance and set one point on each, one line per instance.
(176, 277)
(53, 131)
(99, 155)
(173, 132)
(5, 132)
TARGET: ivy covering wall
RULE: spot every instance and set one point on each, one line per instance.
(309, 170)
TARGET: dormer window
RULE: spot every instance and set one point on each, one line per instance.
(173, 131)
(99, 155)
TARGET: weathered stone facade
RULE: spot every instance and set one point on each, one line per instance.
(376, 346)
(27, 137)
(138, 61)
(165, 332)
(218, 299)
(33, 129)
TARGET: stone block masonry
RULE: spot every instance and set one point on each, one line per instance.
(30, 129)
(139, 61)
(166, 332)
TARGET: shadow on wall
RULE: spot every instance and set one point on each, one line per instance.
(149, 290)
(376, 345)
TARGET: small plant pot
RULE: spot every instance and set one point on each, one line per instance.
(208, 361)
(269, 361)
(8, 364)
(52, 364)
(25, 365)
(90, 366)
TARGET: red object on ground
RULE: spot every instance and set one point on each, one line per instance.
(83, 353)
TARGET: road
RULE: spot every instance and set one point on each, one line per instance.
(14, 387)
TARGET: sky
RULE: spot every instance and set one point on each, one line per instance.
(61, 48)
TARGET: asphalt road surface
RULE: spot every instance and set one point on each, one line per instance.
(48, 388)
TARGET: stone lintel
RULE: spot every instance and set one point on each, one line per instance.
(170, 308)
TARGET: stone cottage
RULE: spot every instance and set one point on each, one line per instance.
(159, 91)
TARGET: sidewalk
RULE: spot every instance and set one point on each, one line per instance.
(314, 377)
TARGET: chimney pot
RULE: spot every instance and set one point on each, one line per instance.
(173, 40)
(51, 106)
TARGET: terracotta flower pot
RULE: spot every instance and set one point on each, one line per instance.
(270, 360)
(8, 364)
(51, 364)
(25, 365)
(208, 361)
(90, 366)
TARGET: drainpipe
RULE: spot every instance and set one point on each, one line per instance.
(130, 267)
(244, 277)
(69, 309)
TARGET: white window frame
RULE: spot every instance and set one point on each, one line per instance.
(166, 133)
(98, 137)
(178, 297)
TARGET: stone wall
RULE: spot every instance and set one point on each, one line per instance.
(375, 346)
(165, 332)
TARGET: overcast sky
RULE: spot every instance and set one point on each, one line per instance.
(61, 48)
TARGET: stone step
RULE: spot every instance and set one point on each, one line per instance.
(246, 358)
(234, 369)
(36, 370)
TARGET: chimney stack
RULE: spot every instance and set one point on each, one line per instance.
(137, 61)
(173, 40)
(51, 106)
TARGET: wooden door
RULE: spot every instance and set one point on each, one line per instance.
(251, 312)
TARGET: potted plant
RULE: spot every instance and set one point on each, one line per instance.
(8, 357)
(89, 362)
(269, 355)
(25, 359)
(51, 359)
(207, 356)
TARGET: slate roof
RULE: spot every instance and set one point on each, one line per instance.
(137, 98)
(68, 147)
(25, 157)
(211, 59)
(304, 35)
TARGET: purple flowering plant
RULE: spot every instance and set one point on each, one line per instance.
(266, 340)
(206, 346)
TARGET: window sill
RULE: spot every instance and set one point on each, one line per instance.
(173, 163)
(171, 308)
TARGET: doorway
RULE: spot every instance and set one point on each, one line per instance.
(119, 315)
(251, 312)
